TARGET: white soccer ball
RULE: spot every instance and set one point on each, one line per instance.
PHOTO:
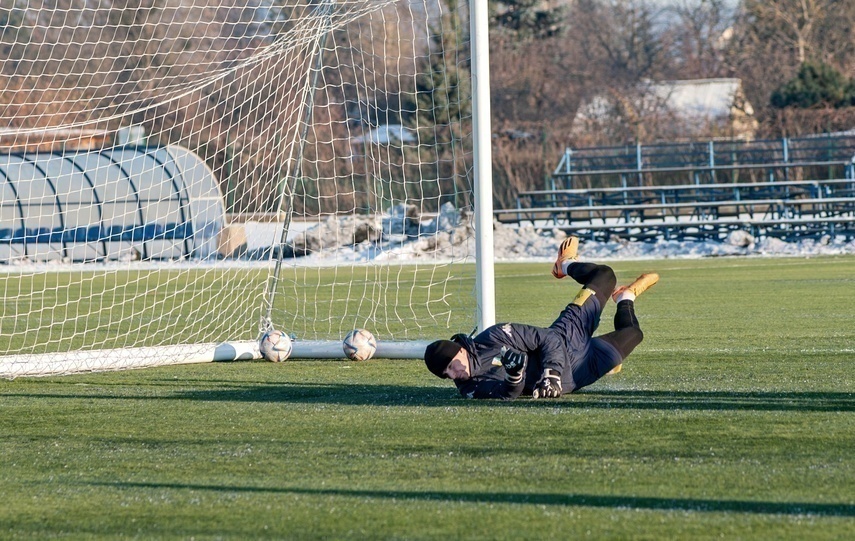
(359, 345)
(275, 346)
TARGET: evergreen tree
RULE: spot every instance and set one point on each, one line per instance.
(849, 98)
(526, 18)
(442, 99)
(815, 84)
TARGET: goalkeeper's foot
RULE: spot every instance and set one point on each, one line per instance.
(566, 252)
(615, 370)
(639, 286)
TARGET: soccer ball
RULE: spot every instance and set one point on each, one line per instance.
(275, 346)
(359, 345)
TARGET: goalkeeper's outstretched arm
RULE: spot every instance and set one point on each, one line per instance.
(503, 377)
(514, 364)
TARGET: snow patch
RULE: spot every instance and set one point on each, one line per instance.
(403, 235)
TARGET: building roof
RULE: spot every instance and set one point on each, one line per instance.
(387, 134)
(691, 99)
(700, 97)
(669, 110)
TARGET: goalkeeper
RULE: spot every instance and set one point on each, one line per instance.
(510, 359)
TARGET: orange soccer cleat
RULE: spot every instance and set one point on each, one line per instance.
(566, 252)
(639, 286)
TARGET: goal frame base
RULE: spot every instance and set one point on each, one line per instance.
(107, 360)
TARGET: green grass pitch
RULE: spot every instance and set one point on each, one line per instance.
(734, 419)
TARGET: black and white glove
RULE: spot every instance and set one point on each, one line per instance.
(514, 364)
(549, 385)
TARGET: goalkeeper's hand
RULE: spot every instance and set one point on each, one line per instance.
(514, 363)
(549, 385)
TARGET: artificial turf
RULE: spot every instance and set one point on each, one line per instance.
(733, 419)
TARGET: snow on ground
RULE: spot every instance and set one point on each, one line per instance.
(400, 236)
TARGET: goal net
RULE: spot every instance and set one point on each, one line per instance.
(177, 176)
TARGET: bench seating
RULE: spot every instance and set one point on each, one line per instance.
(786, 209)
(686, 192)
(789, 229)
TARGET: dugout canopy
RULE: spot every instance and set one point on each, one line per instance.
(108, 204)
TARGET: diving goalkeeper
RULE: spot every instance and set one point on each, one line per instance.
(510, 359)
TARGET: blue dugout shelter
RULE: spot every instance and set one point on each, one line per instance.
(154, 202)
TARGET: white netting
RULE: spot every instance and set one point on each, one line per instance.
(153, 151)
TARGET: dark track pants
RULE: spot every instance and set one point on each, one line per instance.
(581, 317)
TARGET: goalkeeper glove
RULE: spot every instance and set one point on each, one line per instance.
(549, 385)
(514, 364)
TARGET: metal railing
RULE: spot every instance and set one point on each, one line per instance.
(806, 188)
(711, 161)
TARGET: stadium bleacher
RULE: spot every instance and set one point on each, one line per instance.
(651, 199)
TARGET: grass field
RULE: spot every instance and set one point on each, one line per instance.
(93, 308)
(734, 419)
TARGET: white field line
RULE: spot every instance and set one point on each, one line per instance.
(742, 350)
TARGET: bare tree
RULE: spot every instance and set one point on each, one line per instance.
(797, 21)
(624, 38)
(700, 30)
(772, 38)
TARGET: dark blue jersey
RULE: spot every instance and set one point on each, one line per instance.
(566, 346)
(545, 348)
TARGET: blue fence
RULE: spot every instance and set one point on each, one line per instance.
(116, 233)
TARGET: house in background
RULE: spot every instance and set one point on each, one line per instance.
(387, 134)
(384, 135)
(669, 110)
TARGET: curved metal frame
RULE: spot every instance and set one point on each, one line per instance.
(169, 166)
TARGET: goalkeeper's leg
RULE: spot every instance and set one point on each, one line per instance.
(584, 311)
(627, 334)
(625, 338)
(597, 278)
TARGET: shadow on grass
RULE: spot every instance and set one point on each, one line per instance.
(404, 395)
(575, 500)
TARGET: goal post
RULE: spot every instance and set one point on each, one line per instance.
(179, 175)
(483, 164)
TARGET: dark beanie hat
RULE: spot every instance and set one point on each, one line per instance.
(439, 354)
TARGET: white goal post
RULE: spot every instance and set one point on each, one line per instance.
(178, 176)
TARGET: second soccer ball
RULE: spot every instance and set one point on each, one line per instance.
(359, 345)
(275, 346)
